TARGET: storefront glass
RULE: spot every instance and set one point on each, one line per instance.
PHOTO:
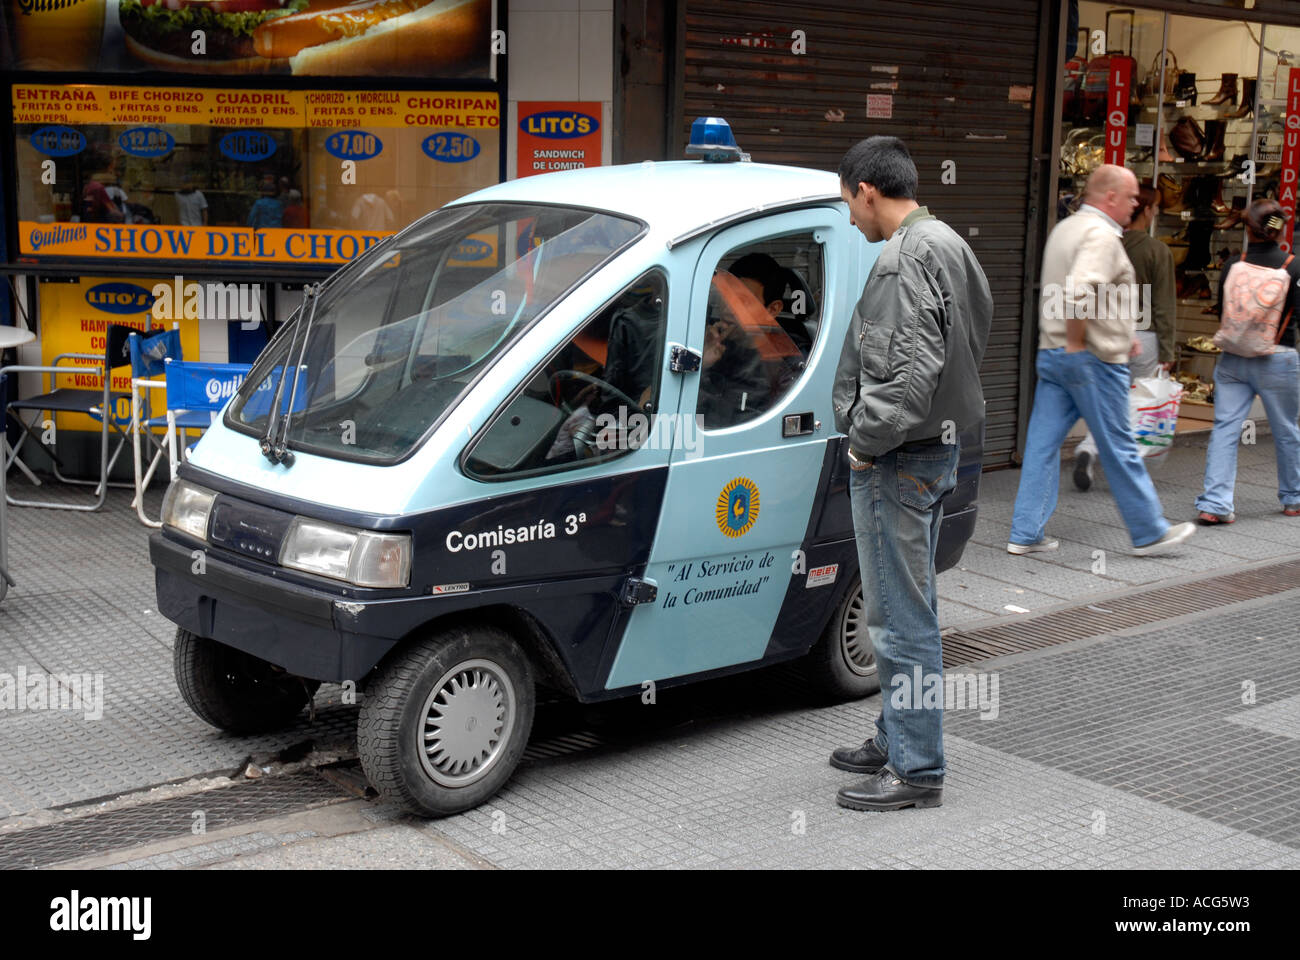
(1201, 119)
(267, 176)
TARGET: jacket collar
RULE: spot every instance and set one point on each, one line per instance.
(920, 213)
(1105, 217)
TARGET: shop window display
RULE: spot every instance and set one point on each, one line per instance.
(283, 176)
(1206, 114)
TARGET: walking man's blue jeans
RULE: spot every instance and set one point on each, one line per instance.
(1276, 379)
(1073, 385)
(896, 516)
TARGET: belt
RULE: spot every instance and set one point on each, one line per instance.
(927, 442)
(936, 440)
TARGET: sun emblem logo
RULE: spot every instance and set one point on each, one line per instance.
(737, 507)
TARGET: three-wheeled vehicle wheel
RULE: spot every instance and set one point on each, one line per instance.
(236, 691)
(446, 719)
(843, 662)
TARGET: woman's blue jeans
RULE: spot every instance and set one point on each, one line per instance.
(1237, 380)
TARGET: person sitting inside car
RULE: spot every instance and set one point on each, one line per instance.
(734, 383)
(767, 280)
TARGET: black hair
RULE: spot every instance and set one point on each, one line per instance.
(764, 269)
(883, 162)
(1265, 219)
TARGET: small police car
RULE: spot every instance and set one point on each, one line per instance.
(571, 430)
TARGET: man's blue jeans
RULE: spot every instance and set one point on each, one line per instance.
(896, 516)
(1276, 378)
(1073, 385)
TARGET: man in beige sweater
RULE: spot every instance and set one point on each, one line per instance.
(1087, 318)
(1153, 266)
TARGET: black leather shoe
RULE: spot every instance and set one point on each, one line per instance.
(864, 759)
(885, 791)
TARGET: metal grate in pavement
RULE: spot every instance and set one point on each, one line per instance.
(165, 820)
(1142, 606)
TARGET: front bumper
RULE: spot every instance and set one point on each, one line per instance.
(309, 632)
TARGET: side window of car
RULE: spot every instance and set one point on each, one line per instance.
(763, 317)
(593, 400)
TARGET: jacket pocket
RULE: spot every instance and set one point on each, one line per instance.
(923, 478)
(877, 353)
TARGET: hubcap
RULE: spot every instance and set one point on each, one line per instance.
(467, 721)
(855, 644)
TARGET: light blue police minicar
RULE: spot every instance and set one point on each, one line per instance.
(573, 429)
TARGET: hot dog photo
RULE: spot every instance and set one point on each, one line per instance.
(354, 38)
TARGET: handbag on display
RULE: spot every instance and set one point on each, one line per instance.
(1096, 80)
(1171, 193)
(1187, 138)
(1153, 85)
(1253, 298)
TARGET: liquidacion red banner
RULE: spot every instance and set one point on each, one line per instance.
(1286, 194)
(1117, 98)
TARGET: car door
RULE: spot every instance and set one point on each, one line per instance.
(738, 498)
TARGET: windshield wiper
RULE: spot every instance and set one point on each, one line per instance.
(274, 444)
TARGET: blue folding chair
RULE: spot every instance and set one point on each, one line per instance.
(196, 393)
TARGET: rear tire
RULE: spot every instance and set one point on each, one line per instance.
(445, 721)
(236, 691)
(843, 663)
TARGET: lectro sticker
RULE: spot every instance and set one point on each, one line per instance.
(820, 576)
(737, 507)
(450, 588)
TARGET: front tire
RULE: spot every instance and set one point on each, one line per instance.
(843, 663)
(445, 721)
(236, 691)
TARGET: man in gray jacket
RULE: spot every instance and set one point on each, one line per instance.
(907, 385)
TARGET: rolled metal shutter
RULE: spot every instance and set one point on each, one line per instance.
(956, 79)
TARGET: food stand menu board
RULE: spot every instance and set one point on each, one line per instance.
(358, 38)
(275, 176)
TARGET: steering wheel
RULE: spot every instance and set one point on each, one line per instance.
(594, 381)
(588, 442)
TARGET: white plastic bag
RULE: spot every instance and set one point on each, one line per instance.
(1153, 414)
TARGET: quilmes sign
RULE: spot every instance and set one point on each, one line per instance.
(208, 301)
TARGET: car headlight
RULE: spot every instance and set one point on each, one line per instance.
(187, 507)
(361, 557)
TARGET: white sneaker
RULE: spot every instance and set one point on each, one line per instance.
(1042, 546)
(1175, 535)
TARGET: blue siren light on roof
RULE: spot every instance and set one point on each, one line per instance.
(712, 140)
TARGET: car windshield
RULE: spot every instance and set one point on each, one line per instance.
(395, 339)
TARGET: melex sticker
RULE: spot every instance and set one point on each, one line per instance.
(820, 576)
(450, 588)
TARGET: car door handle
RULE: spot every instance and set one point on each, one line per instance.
(799, 424)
